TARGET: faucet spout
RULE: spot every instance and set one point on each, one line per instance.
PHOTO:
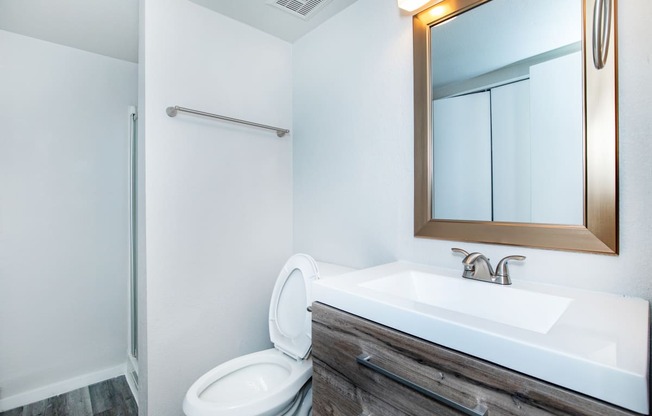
(477, 266)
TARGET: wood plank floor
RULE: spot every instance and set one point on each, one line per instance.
(107, 398)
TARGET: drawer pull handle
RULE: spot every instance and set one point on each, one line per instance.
(479, 410)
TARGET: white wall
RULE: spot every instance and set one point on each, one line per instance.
(353, 153)
(63, 215)
(218, 195)
(141, 230)
(352, 146)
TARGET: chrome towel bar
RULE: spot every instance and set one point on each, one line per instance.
(172, 112)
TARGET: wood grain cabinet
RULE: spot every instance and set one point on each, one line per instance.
(363, 368)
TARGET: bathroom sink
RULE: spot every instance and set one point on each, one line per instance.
(590, 342)
(525, 309)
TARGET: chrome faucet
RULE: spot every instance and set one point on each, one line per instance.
(478, 267)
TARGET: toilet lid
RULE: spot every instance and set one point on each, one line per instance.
(289, 319)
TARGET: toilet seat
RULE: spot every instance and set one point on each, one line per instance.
(266, 383)
(290, 322)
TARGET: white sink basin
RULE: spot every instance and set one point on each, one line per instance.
(590, 342)
(505, 304)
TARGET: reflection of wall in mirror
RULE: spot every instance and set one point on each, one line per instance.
(462, 157)
(557, 141)
(511, 148)
(531, 134)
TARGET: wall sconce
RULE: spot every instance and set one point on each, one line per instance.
(415, 6)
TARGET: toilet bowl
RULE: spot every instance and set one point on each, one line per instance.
(265, 383)
(272, 382)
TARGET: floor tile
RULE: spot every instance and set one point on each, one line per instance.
(107, 398)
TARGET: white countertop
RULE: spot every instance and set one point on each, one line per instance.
(598, 345)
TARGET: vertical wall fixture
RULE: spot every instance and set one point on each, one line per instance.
(601, 32)
(133, 117)
(133, 246)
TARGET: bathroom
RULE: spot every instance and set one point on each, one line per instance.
(225, 206)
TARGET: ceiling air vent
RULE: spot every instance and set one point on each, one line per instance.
(304, 9)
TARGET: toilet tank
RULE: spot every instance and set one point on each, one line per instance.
(327, 270)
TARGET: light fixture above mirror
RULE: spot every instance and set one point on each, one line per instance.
(415, 6)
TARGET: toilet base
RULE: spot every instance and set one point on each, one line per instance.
(302, 404)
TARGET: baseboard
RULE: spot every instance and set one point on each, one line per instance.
(61, 387)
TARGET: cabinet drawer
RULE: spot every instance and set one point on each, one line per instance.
(340, 338)
(337, 396)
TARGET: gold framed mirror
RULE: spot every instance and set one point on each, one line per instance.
(596, 227)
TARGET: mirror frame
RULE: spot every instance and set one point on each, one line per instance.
(599, 233)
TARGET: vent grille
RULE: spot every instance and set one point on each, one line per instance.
(304, 9)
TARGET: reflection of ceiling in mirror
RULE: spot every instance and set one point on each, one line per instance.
(500, 33)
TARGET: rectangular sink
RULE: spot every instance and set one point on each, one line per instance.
(503, 304)
(590, 342)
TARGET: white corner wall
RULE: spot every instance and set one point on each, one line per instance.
(218, 195)
(353, 153)
(63, 217)
(352, 147)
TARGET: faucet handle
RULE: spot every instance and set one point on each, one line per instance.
(502, 272)
(467, 267)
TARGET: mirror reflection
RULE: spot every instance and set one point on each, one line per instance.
(507, 118)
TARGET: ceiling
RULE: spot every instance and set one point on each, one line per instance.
(107, 27)
(110, 27)
(259, 14)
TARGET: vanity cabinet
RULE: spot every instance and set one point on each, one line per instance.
(343, 383)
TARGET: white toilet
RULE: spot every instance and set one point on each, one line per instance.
(276, 381)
